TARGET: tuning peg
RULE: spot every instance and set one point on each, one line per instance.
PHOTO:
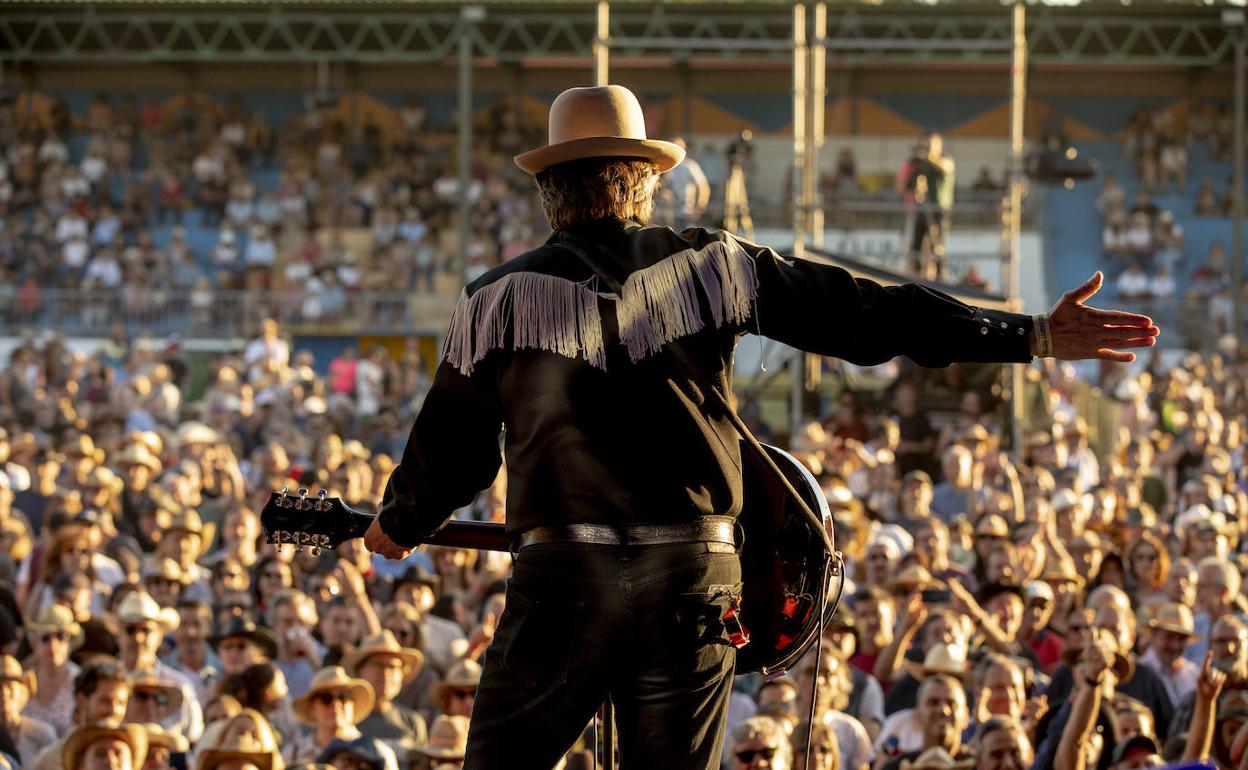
(303, 504)
(321, 503)
(283, 500)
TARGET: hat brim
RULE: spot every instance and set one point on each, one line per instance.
(76, 635)
(212, 758)
(263, 638)
(133, 735)
(361, 694)
(439, 753)
(1190, 633)
(413, 660)
(665, 154)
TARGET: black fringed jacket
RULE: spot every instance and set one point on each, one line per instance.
(598, 428)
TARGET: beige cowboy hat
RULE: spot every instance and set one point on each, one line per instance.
(448, 738)
(384, 644)
(158, 736)
(598, 122)
(1176, 618)
(948, 659)
(138, 454)
(333, 679)
(83, 446)
(194, 432)
(11, 671)
(188, 520)
(54, 618)
(1061, 571)
(134, 736)
(936, 758)
(159, 568)
(245, 748)
(464, 674)
(168, 692)
(140, 607)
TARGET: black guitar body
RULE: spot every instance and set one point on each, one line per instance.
(786, 562)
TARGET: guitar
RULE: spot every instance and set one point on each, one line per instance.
(787, 562)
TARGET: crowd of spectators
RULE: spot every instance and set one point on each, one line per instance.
(85, 220)
(1079, 607)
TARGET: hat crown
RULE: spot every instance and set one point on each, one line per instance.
(139, 606)
(449, 732)
(331, 675)
(56, 615)
(466, 673)
(581, 113)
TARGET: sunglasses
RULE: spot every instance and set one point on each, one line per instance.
(142, 696)
(59, 636)
(747, 756)
(462, 694)
(329, 698)
(137, 629)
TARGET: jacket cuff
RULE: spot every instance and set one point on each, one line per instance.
(400, 518)
(1003, 335)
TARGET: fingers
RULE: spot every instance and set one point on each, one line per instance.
(1082, 293)
(1105, 354)
(1118, 318)
(1130, 342)
(1207, 667)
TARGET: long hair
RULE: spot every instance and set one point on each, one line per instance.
(593, 188)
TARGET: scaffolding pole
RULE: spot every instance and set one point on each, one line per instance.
(602, 44)
(797, 193)
(1014, 207)
(817, 88)
(1237, 196)
(465, 143)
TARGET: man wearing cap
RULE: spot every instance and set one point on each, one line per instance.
(603, 432)
(1173, 631)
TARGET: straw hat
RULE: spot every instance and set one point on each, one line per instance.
(53, 618)
(448, 738)
(245, 748)
(148, 682)
(915, 576)
(157, 736)
(1061, 571)
(384, 644)
(165, 569)
(598, 122)
(461, 676)
(1176, 618)
(936, 758)
(188, 520)
(333, 679)
(11, 671)
(194, 432)
(134, 736)
(949, 659)
(138, 454)
(83, 446)
(992, 525)
(140, 607)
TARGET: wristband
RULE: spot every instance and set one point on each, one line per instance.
(1044, 336)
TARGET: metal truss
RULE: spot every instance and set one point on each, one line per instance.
(1191, 36)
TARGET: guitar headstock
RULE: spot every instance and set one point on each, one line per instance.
(310, 522)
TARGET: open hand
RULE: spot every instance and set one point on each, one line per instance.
(377, 541)
(1081, 332)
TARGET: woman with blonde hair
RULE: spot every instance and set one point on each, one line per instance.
(1148, 565)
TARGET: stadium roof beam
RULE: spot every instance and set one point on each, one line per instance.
(33, 32)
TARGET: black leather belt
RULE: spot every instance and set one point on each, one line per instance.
(709, 529)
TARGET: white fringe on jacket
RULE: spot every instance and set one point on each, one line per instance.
(660, 304)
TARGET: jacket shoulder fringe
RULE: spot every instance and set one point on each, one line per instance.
(542, 312)
(660, 303)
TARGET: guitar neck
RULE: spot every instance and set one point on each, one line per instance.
(478, 535)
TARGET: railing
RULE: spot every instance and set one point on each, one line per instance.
(222, 314)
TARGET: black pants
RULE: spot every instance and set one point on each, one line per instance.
(641, 623)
